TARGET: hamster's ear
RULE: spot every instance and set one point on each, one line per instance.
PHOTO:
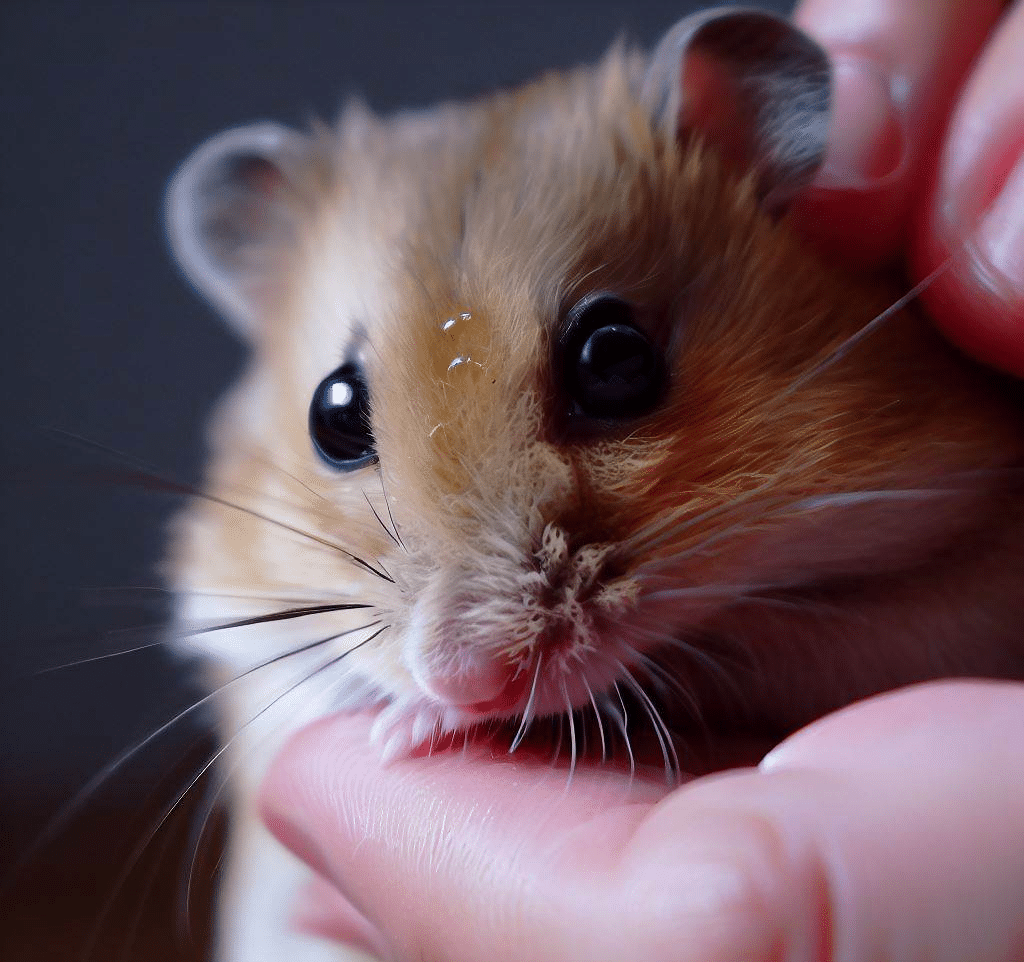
(753, 85)
(227, 206)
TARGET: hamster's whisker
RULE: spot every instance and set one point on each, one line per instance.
(387, 505)
(139, 849)
(700, 591)
(142, 590)
(148, 478)
(798, 603)
(141, 897)
(597, 716)
(227, 777)
(847, 498)
(569, 292)
(774, 509)
(267, 462)
(225, 780)
(380, 520)
(873, 325)
(716, 668)
(280, 498)
(287, 614)
(74, 805)
(528, 710)
(706, 541)
(581, 711)
(623, 720)
(80, 440)
(668, 683)
(661, 729)
(325, 542)
(195, 842)
(295, 600)
(668, 526)
(284, 615)
(558, 721)
(764, 501)
(95, 658)
(572, 734)
(435, 731)
(152, 481)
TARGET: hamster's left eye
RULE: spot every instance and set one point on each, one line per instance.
(610, 368)
(339, 419)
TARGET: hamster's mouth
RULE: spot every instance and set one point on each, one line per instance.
(631, 735)
(505, 702)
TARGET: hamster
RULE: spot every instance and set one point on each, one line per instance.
(547, 408)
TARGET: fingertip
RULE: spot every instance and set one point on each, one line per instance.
(896, 723)
(974, 216)
(897, 67)
(974, 302)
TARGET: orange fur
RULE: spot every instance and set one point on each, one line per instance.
(833, 528)
(496, 217)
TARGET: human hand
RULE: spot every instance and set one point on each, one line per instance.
(891, 830)
(927, 156)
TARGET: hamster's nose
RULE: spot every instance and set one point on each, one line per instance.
(482, 685)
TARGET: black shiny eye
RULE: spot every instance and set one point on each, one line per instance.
(339, 419)
(610, 367)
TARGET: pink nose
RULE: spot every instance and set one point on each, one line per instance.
(484, 685)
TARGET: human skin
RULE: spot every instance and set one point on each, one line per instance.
(953, 77)
(891, 830)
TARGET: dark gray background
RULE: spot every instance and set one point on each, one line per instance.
(101, 338)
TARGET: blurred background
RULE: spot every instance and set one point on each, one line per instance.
(105, 347)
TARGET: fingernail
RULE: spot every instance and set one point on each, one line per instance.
(867, 142)
(999, 240)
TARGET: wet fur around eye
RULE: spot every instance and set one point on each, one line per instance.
(815, 506)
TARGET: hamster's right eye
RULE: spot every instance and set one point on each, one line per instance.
(339, 419)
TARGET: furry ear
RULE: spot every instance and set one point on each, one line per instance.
(226, 206)
(751, 84)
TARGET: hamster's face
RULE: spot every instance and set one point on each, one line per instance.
(554, 399)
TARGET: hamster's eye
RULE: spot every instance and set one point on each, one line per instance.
(339, 419)
(611, 368)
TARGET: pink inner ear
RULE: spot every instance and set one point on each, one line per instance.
(712, 109)
(258, 175)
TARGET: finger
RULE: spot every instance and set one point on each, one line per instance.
(976, 212)
(898, 65)
(446, 856)
(892, 830)
(925, 856)
(322, 911)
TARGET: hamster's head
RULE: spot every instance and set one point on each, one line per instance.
(547, 401)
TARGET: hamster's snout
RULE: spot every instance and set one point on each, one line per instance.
(468, 677)
(479, 683)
